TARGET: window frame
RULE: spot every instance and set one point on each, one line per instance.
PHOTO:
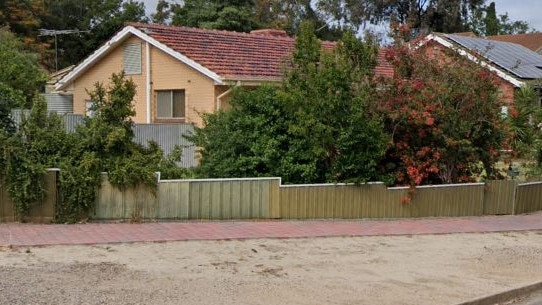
(171, 101)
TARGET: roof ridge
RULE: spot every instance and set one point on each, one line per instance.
(516, 35)
(140, 25)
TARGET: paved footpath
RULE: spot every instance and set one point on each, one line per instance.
(16, 234)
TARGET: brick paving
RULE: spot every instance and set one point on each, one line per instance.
(17, 234)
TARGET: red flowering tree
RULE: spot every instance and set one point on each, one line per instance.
(443, 114)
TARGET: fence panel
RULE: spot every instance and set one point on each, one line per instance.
(448, 200)
(528, 197)
(44, 210)
(7, 213)
(376, 201)
(499, 197)
(190, 199)
(135, 204)
(331, 200)
(173, 199)
(233, 198)
(40, 212)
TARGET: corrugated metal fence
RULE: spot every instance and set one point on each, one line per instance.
(528, 197)
(167, 136)
(191, 199)
(375, 200)
(41, 212)
(59, 103)
(266, 198)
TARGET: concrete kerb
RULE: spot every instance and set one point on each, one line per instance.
(506, 296)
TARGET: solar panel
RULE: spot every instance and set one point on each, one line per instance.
(512, 57)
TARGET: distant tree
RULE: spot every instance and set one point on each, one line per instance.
(162, 14)
(231, 15)
(513, 27)
(21, 77)
(420, 15)
(247, 15)
(485, 22)
(102, 18)
(491, 22)
(23, 17)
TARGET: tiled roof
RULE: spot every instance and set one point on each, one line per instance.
(531, 41)
(383, 68)
(234, 55)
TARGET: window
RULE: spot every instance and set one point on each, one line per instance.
(170, 104)
(132, 58)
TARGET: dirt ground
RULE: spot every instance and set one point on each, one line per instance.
(430, 269)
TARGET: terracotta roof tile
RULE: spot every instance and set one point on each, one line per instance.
(531, 41)
(234, 55)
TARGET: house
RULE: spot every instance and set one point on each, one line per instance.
(181, 72)
(513, 64)
(532, 41)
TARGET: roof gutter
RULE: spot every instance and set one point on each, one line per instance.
(224, 94)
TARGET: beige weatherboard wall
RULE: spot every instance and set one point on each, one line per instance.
(164, 73)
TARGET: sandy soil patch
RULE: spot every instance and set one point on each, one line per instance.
(430, 269)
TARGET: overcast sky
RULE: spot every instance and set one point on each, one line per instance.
(527, 10)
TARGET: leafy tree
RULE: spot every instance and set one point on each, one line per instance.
(508, 27)
(525, 117)
(249, 140)
(9, 98)
(329, 93)
(316, 128)
(444, 118)
(162, 13)
(234, 15)
(491, 22)
(101, 17)
(430, 15)
(38, 144)
(21, 77)
(485, 22)
(422, 16)
(23, 17)
(246, 15)
(105, 144)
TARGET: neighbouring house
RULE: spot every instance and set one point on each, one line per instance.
(532, 41)
(181, 72)
(513, 64)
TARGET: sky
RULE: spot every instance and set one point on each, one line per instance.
(526, 10)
